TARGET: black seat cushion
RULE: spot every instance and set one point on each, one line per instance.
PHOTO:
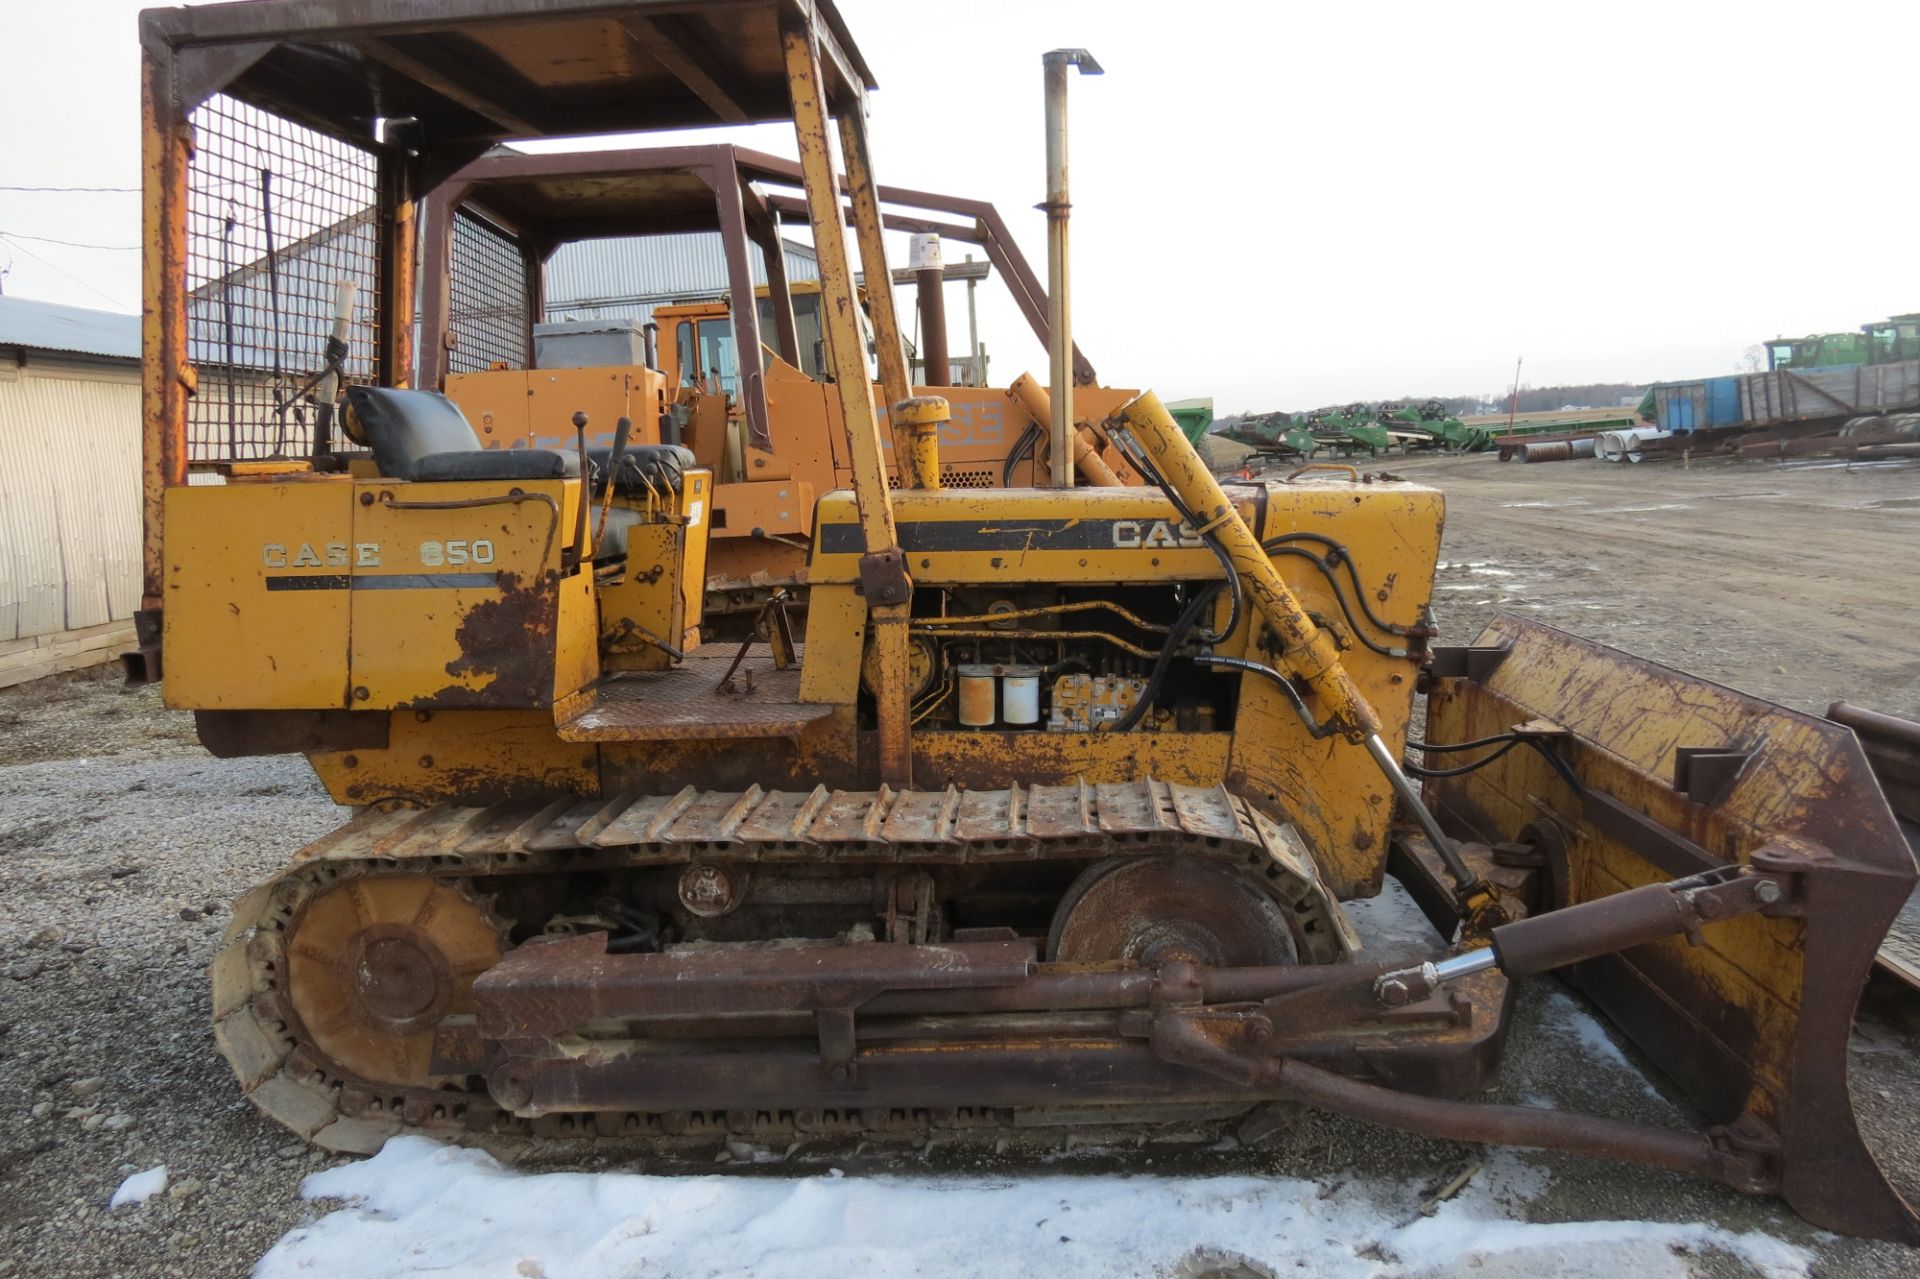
(612, 543)
(497, 464)
(661, 465)
(422, 435)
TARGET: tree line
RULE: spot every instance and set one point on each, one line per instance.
(1532, 399)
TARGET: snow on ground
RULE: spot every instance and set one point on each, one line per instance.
(1392, 927)
(421, 1208)
(1564, 1016)
(140, 1187)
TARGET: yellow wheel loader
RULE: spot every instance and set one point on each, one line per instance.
(1049, 808)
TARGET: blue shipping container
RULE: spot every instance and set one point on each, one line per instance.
(1698, 406)
(1723, 401)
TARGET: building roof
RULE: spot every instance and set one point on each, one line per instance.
(48, 326)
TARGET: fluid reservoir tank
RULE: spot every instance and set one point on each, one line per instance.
(977, 686)
(1020, 694)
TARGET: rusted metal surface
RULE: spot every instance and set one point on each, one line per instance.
(687, 701)
(548, 988)
(232, 734)
(498, 69)
(292, 1079)
(1150, 912)
(165, 148)
(379, 961)
(930, 289)
(1586, 930)
(1717, 1155)
(508, 643)
(1753, 1024)
(873, 1036)
(875, 1025)
(1892, 745)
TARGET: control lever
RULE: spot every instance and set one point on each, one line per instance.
(586, 487)
(622, 432)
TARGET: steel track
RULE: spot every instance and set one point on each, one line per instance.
(285, 1074)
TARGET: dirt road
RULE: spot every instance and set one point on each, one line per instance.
(1797, 582)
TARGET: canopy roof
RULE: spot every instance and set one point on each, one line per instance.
(476, 72)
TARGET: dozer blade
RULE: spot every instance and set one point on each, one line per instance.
(1677, 775)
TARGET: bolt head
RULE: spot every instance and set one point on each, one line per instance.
(1766, 891)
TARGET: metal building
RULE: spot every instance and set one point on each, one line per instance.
(627, 277)
(69, 486)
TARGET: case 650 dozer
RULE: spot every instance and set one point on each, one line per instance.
(1048, 810)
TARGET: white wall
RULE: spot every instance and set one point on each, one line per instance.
(69, 505)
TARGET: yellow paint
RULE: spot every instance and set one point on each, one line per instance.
(478, 756)
(970, 758)
(659, 600)
(784, 507)
(534, 408)
(412, 643)
(230, 642)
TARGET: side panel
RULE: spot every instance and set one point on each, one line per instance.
(459, 607)
(495, 403)
(966, 537)
(256, 606)
(478, 757)
(534, 408)
(604, 395)
(782, 507)
(1331, 789)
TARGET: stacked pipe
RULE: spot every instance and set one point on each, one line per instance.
(1556, 450)
(1624, 446)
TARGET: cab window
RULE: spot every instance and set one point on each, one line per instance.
(717, 363)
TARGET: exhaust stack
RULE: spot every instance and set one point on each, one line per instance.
(1058, 278)
(923, 259)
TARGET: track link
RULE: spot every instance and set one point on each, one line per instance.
(284, 1072)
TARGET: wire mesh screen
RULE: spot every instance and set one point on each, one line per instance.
(278, 217)
(486, 297)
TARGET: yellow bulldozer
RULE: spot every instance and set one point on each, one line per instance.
(1049, 809)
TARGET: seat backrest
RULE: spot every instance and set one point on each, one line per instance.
(401, 427)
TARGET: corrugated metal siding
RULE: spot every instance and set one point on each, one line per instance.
(629, 276)
(69, 498)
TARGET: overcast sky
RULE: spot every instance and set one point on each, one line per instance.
(1285, 205)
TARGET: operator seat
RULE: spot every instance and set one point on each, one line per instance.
(423, 436)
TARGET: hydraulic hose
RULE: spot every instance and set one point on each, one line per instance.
(1340, 553)
(1232, 575)
(1175, 638)
(1359, 633)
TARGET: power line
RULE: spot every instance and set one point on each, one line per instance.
(72, 244)
(73, 190)
(71, 276)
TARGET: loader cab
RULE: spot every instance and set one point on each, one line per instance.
(697, 344)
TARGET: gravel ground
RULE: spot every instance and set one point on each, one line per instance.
(120, 842)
